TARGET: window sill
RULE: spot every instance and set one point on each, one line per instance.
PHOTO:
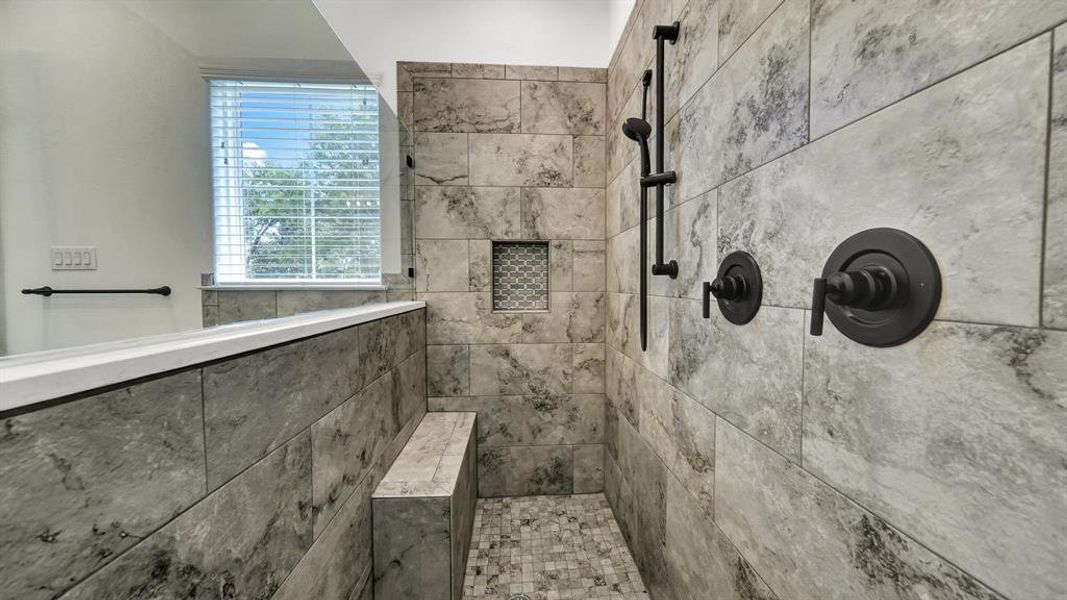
(324, 287)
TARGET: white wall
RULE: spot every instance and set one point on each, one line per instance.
(103, 141)
(378, 33)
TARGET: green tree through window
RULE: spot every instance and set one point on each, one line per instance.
(297, 182)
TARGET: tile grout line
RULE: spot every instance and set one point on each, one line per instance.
(1048, 189)
(203, 420)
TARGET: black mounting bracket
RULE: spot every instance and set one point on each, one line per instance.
(667, 32)
(738, 288)
(880, 287)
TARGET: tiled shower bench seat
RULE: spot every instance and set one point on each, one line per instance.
(423, 511)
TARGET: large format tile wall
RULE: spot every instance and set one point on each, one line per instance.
(222, 307)
(508, 152)
(246, 478)
(758, 462)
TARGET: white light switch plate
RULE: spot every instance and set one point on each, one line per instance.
(73, 258)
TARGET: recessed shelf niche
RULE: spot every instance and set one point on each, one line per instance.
(520, 276)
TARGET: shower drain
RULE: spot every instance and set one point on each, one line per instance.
(519, 597)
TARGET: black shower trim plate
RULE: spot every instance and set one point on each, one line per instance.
(881, 287)
(738, 288)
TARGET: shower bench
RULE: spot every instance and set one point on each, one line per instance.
(423, 511)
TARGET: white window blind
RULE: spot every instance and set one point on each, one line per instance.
(296, 178)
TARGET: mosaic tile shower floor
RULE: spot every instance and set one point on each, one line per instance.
(549, 548)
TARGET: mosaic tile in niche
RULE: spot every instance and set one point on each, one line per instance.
(520, 276)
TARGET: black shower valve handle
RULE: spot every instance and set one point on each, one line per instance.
(729, 288)
(723, 288)
(871, 287)
(818, 305)
(706, 295)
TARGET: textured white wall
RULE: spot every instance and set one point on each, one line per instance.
(571, 33)
(92, 152)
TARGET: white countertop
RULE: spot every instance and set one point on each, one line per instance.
(34, 377)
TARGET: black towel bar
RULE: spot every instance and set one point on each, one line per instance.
(47, 291)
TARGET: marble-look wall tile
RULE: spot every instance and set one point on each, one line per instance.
(749, 375)
(611, 433)
(694, 57)
(620, 497)
(260, 524)
(74, 495)
(589, 368)
(590, 161)
(623, 200)
(412, 549)
(467, 212)
(464, 501)
(441, 266)
(622, 150)
(468, 318)
(589, 265)
(447, 370)
(939, 166)
(621, 385)
(499, 369)
(255, 403)
(386, 342)
(541, 420)
(525, 470)
(247, 306)
(337, 565)
(621, 327)
(465, 106)
(575, 317)
(347, 444)
(292, 302)
(405, 109)
(765, 87)
(647, 477)
(623, 258)
(563, 107)
(563, 213)
(521, 160)
(560, 267)
(587, 74)
(808, 541)
(532, 72)
(477, 71)
(442, 159)
(1054, 312)
(867, 55)
(739, 19)
(209, 316)
(913, 440)
(701, 561)
(635, 52)
(409, 395)
(622, 331)
(682, 433)
(588, 468)
(480, 265)
(407, 71)
(690, 233)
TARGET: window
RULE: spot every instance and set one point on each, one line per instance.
(296, 182)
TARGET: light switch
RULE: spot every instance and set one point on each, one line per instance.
(73, 258)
